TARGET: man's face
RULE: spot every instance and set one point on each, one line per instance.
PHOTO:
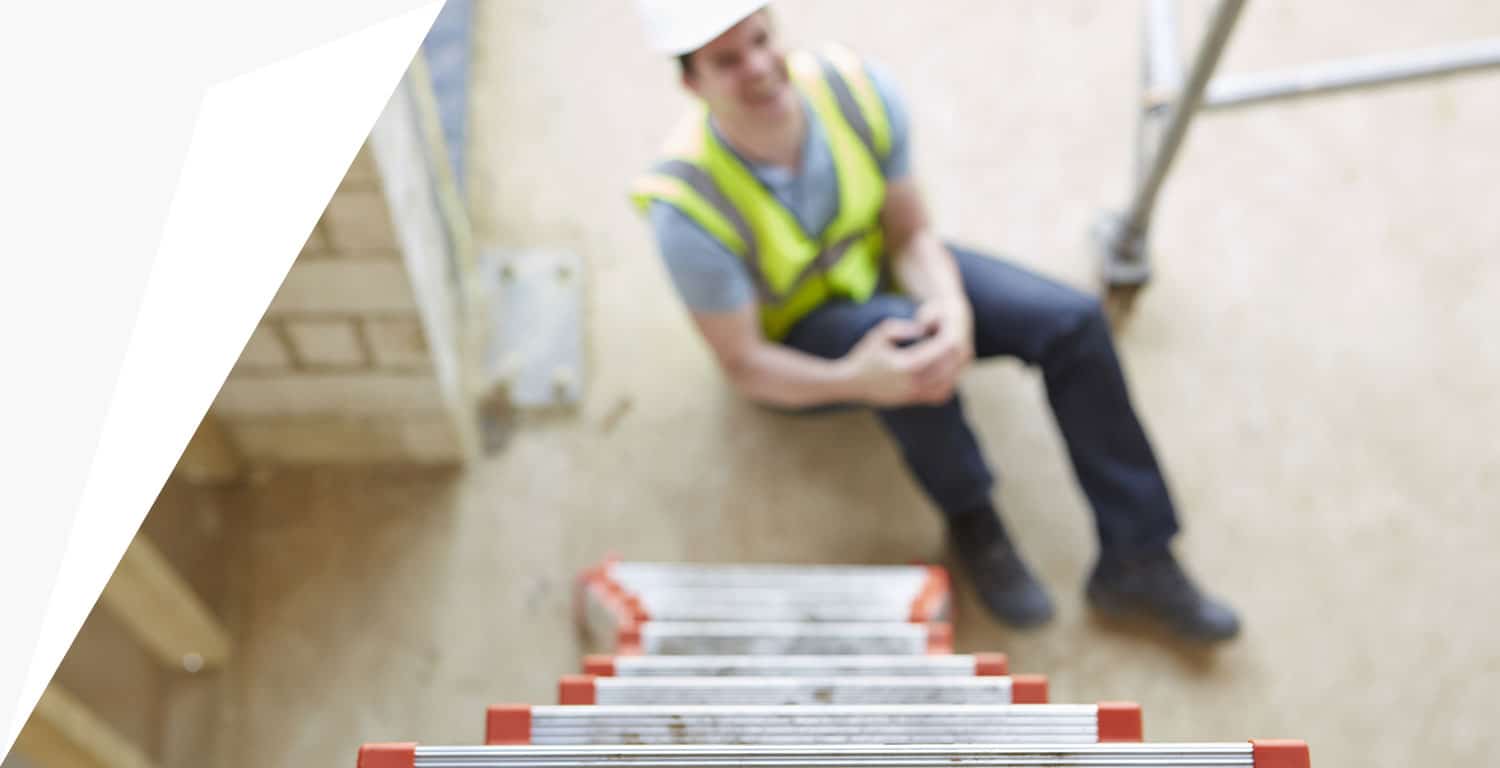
(742, 73)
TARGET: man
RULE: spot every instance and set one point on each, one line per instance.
(794, 232)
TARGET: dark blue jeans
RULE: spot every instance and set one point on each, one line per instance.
(1049, 326)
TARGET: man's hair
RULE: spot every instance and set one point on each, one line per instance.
(685, 61)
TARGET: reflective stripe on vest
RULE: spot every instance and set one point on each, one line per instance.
(860, 104)
(792, 271)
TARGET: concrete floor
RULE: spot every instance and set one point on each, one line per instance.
(1315, 362)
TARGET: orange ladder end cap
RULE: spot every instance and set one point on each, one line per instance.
(1280, 753)
(636, 608)
(626, 607)
(991, 665)
(582, 586)
(507, 724)
(939, 581)
(1028, 689)
(389, 755)
(599, 665)
(1120, 721)
(940, 638)
(576, 690)
(629, 636)
(932, 594)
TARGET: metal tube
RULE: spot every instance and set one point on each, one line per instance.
(1161, 73)
(839, 756)
(1350, 74)
(807, 690)
(779, 604)
(1220, 26)
(1163, 62)
(820, 724)
(780, 638)
(641, 575)
(795, 666)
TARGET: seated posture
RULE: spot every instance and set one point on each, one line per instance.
(792, 227)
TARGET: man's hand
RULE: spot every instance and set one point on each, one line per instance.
(887, 369)
(948, 326)
(883, 367)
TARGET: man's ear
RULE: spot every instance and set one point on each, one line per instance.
(690, 81)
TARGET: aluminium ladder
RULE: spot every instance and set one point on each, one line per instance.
(768, 666)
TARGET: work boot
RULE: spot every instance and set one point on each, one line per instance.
(1002, 579)
(1155, 588)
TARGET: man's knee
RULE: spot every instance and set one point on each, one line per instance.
(885, 306)
(1082, 328)
(872, 312)
(833, 329)
(1086, 312)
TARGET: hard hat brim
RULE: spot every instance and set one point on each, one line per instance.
(678, 39)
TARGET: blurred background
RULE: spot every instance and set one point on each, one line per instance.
(477, 380)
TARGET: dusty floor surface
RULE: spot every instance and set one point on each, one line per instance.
(1315, 361)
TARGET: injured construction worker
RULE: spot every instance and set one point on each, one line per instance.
(791, 224)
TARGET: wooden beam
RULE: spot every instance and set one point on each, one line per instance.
(64, 733)
(163, 611)
(210, 457)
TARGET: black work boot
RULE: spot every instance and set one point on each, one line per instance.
(1002, 579)
(1155, 588)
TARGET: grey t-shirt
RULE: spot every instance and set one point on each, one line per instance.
(710, 277)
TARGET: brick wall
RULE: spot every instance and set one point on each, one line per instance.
(363, 356)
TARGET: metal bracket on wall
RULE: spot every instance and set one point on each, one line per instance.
(535, 356)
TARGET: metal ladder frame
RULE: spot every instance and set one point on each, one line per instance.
(581, 731)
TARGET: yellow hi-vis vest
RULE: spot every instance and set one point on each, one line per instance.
(794, 271)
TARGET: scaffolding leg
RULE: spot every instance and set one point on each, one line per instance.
(1121, 238)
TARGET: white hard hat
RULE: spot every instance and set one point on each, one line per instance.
(676, 27)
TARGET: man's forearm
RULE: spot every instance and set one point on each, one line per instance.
(779, 375)
(927, 271)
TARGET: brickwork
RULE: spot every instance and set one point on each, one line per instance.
(360, 356)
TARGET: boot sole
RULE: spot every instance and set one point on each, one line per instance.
(1110, 612)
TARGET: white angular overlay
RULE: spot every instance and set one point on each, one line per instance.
(123, 309)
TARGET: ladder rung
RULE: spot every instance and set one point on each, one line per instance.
(801, 577)
(590, 689)
(786, 638)
(918, 594)
(1251, 754)
(827, 724)
(762, 604)
(954, 665)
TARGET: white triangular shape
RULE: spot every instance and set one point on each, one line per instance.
(267, 152)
